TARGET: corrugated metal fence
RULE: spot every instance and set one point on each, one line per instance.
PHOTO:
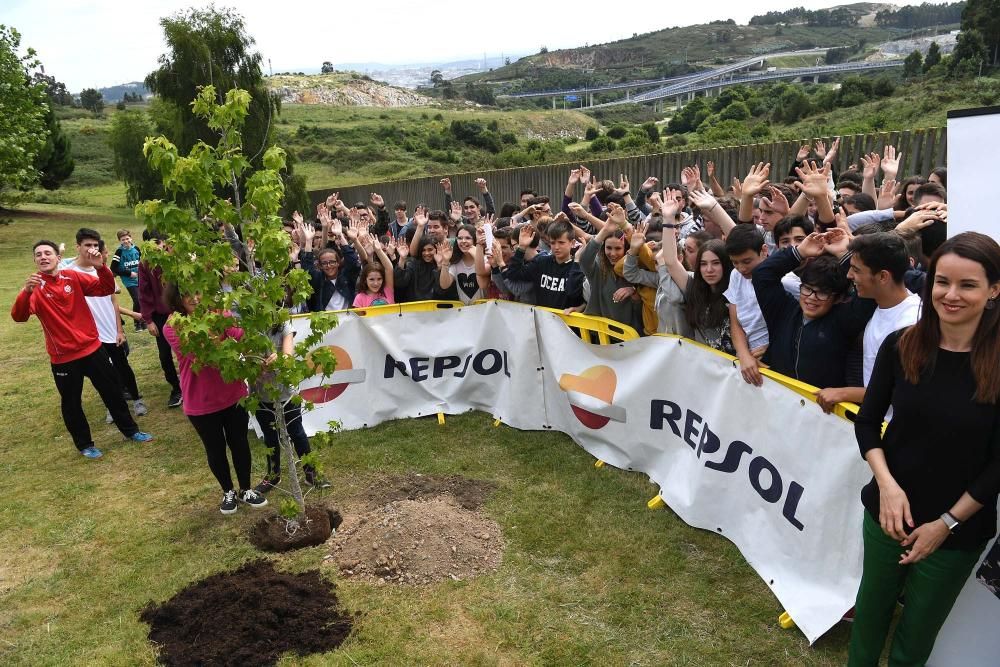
(922, 150)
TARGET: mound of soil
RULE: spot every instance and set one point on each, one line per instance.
(418, 542)
(272, 533)
(249, 616)
(469, 493)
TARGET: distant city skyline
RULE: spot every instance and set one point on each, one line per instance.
(102, 43)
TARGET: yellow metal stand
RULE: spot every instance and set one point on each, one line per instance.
(656, 503)
(785, 621)
(440, 419)
(598, 463)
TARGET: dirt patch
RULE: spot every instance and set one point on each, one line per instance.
(250, 616)
(418, 541)
(273, 533)
(54, 216)
(468, 493)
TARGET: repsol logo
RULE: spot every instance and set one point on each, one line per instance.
(764, 476)
(418, 369)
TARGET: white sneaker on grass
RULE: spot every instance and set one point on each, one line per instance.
(140, 408)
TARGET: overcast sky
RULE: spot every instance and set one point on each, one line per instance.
(98, 43)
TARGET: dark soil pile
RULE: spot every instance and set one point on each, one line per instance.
(418, 542)
(250, 616)
(273, 534)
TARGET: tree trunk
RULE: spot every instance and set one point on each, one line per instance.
(288, 451)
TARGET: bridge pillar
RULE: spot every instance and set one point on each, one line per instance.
(680, 101)
(590, 99)
(816, 78)
(553, 102)
(628, 94)
(690, 96)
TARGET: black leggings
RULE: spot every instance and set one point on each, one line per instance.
(297, 434)
(126, 376)
(217, 431)
(69, 381)
(165, 353)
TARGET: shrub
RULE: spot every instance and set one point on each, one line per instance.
(603, 145)
(591, 134)
(617, 131)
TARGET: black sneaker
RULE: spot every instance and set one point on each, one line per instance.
(228, 505)
(252, 498)
(266, 485)
(175, 399)
(315, 481)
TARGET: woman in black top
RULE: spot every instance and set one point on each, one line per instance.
(931, 506)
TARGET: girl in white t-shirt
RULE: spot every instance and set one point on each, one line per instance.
(461, 266)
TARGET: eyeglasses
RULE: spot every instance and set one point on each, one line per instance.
(329, 262)
(805, 292)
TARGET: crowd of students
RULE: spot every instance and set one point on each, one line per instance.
(833, 278)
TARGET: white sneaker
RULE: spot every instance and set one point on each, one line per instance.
(108, 419)
(140, 408)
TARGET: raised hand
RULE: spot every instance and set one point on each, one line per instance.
(831, 155)
(623, 186)
(616, 215)
(655, 202)
(297, 218)
(376, 200)
(737, 188)
(671, 206)
(481, 184)
(445, 185)
(869, 165)
(577, 209)
(447, 251)
(638, 237)
(33, 281)
(887, 194)
(374, 241)
(814, 179)
(590, 188)
(756, 180)
(696, 172)
(821, 149)
(306, 232)
(402, 247)
(890, 163)
(812, 245)
(331, 201)
(525, 236)
(923, 216)
(803, 152)
(837, 241)
(650, 184)
(336, 227)
(574, 177)
(456, 211)
(703, 199)
(584, 174)
(777, 202)
(419, 217)
(710, 169)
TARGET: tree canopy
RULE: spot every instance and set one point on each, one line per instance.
(23, 105)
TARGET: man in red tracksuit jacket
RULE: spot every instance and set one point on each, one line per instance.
(58, 299)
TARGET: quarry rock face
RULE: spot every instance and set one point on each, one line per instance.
(341, 90)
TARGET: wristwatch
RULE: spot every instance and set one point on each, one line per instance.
(951, 522)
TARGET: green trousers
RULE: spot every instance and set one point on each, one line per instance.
(930, 588)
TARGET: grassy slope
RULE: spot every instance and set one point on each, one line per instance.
(589, 576)
(640, 56)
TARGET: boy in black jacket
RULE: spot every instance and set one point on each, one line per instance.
(810, 337)
(556, 278)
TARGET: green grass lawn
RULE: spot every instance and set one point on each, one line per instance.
(590, 576)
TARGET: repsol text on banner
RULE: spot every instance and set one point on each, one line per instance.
(693, 430)
(418, 369)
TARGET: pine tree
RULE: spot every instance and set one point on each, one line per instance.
(55, 161)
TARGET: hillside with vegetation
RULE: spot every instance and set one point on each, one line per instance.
(858, 28)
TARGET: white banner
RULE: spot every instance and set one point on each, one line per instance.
(418, 364)
(760, 466)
